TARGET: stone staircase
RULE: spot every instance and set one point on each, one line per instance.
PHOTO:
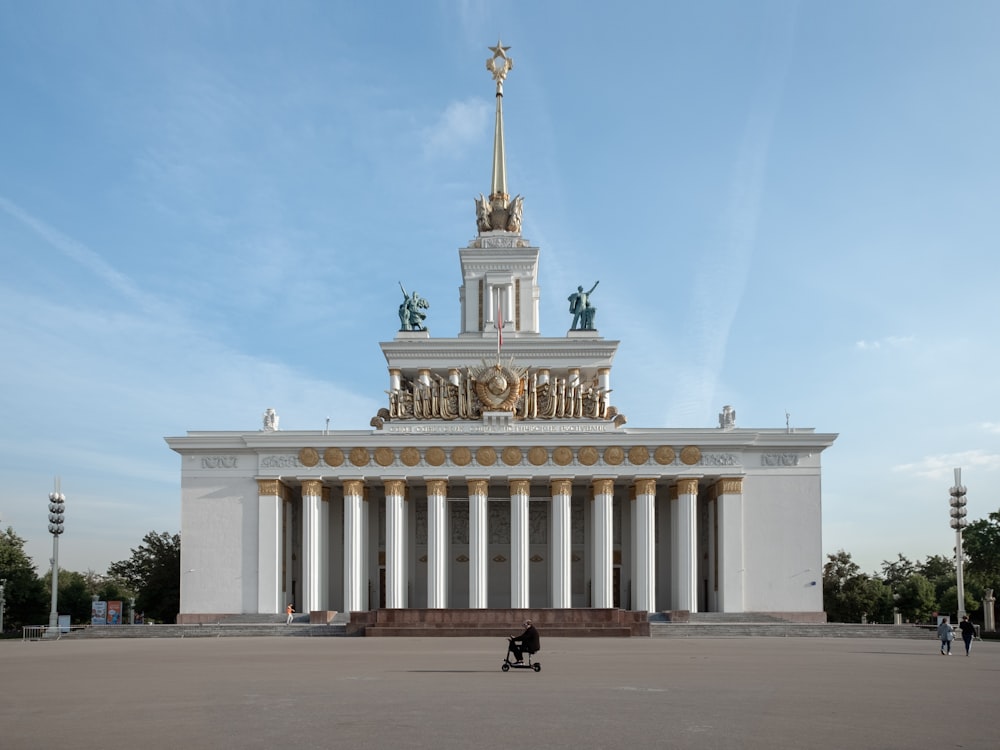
(489, 623)
(248, 625)
(751, 624)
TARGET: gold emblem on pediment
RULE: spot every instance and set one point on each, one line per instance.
(360, 457)
(461, 456)
(562, 455)
(538, 455)
(499, 387)
(690, 455)
(587, 455)
(638, 455)
(614, 455)
(512, 455)
(664, 455)
(308, 457)
(486, 456)
(410, 456)
(434, 456)
(333, 456)
(384, 456)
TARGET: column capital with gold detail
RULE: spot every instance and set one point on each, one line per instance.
(687, 486)
(395, 487)
(437, 487)
(562, 487)
(479, 486)
(354, 487)
(270, 487)
(644, 487)
(520, 486)
(730, 486)
(603, 486)
(312, 487)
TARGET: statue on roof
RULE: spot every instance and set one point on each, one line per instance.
(270, 421)
(411, 317)
(483, 211)
(583, 312)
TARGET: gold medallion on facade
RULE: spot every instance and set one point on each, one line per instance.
(614, 455)
(664, 455)
(434, 456)
(562, 455)
(638, 455)
(308, 457)
(538, 455)
(333, 456)
(461, 456)
(511, 455)
(384, 456)
(587, 455)
(360, 457)
(410, 456)
(690, 455)
(486, 456)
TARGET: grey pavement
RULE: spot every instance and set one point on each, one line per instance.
(440, 693)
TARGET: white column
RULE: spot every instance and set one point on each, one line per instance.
(324, 574)
(312, 544)
(644, 544)
(395, 544)
(437, 544)
(287, 553)
(478, 515)
(686, 541)
(519, 489)
(269, 546)
(731, 569)
(354, 546)
(602, 593)
(560, 545)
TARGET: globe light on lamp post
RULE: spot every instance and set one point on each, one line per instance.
(957, 501)
(57, 509)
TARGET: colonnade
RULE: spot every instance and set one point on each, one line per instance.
(717, 556)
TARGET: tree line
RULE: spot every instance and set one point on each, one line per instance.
(151, 575)
(917, 590)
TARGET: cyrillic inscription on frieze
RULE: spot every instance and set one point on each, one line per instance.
(720, 459)
(219, 462)
(779, 459)
(280, 462)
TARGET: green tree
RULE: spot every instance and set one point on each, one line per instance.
(849, 594)
(916, 598)
(154, 573)
(981, 543)
(24, 593)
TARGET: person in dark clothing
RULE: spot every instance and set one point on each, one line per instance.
(968, 633)
(527, 642)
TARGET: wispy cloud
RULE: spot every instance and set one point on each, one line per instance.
(461, 124)
(887, 342)
(993, 427)
(942, 467)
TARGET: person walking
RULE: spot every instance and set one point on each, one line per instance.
(968, 633)
(289, 610)
(946, 634)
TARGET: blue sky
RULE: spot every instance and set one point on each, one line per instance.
(205, 208)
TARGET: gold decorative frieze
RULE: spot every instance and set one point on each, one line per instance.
(478, 487)
(603, 486)
(687, 486)
(730, 486)
(638, 455)
(395, 487)
(435, 456)
(312, 487)
(538, 456)
(461, 456)
(308, 457)
(614, 455)
(384, 456)
(268, 487)
(519, 487)
(354, 487)
(561, 487)
(562, 455)
(645, 487)
(690, 455)
(512, 455)
(664, 455)
(360, 457)
(333, 456)
(486, 456)
(410, 456)
(587, 455)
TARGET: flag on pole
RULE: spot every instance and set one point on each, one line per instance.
(499, 324)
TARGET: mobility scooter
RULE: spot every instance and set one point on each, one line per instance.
(508, 664)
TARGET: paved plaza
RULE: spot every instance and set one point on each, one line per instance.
(286, 693)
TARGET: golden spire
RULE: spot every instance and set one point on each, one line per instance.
(499, 66)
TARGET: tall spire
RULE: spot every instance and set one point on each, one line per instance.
(499, 65)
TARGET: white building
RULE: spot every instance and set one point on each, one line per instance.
(501, 476)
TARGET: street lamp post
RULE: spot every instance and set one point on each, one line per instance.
(958, 522)
(57, 507)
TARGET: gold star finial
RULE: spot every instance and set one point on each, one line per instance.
(499, 50)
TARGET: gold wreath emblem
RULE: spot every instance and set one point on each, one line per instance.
(333, 456)
(383, 456)
(308, 456)
(359, 457)
(638, 455)
(562, 455)
(498, 388)
(461, 456)
(664, 455)
(690, 455)
(434, 456)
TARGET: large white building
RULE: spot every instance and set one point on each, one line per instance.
(501, 476)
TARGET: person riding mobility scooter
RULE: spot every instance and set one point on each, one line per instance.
(526, 643)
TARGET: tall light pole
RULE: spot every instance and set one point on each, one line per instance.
(958, 522)
(57, 507)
